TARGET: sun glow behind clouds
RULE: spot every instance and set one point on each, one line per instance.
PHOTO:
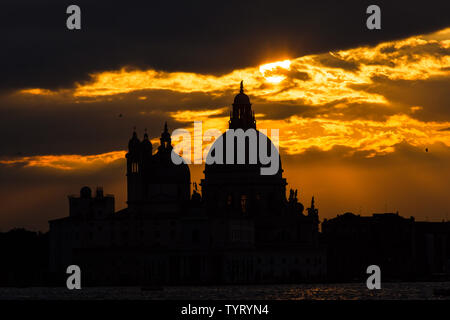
(313, 79)
(334, 86)
(269, 71)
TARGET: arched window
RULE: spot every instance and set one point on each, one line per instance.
(134, 167)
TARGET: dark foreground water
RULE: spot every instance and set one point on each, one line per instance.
(345, 291)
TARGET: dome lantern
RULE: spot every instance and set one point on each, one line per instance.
(242, 116)
(166, 141)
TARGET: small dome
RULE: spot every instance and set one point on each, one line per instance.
(85, 192)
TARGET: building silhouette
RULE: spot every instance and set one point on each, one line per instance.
(403, 248)
(241, 229)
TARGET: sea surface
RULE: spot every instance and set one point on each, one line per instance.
(344, 291)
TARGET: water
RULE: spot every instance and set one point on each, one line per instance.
(345, 291)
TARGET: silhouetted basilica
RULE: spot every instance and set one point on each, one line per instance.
(241, 229)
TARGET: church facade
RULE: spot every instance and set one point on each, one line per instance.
(241, 227)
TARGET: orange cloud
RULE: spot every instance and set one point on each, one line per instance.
(329, 75)
(314, 80)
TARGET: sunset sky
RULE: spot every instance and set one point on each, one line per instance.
(356, 109)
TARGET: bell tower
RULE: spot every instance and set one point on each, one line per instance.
(134, 168)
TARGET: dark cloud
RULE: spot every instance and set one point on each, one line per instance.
(299, 75)
(344, 110)
(31, 125)
(407, 53)
(279, 111)
(336, 110)
(431, 94)
(207, 37)
(329, 60)
(402, 154)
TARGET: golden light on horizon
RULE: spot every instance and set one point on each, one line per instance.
(269, 71)
(37, 91)
(68, 161)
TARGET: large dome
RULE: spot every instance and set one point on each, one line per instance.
(244, 154)
(252, 163)
(243, 173)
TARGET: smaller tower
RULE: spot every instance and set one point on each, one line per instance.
(134, 166)
(147, 147)
(133, 144)
(134, 154)
(312, 210)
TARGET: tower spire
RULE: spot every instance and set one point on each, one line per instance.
(312, 210)
(242, 87)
